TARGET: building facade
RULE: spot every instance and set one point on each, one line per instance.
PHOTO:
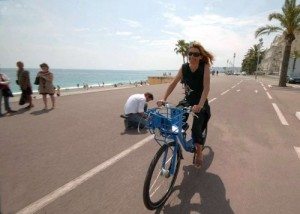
(271, 63)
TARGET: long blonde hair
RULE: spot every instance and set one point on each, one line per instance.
(207, 56)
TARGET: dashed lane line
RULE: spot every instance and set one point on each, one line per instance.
(280, 115)
(270, 97)
(238, 90)
(39, 204)
(224, 92)
(298, 115)
(297, 149)
(213, 99)
(256, 91)
(265, 88)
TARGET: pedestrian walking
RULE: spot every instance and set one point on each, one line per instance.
(46, 85)
(23, 80)
(5, 93)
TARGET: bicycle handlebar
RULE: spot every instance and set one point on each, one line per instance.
(188, 109)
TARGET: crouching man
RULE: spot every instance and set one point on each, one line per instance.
(135, 108)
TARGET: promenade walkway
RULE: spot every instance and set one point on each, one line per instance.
(253, 166)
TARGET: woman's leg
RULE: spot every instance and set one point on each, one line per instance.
(45, 101)
(52, 100)
(197, 137)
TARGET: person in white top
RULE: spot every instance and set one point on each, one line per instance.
(135, 107)
(5, 92)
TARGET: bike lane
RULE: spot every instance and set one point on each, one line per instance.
(253, 155)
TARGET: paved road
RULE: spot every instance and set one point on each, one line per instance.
(253, 166)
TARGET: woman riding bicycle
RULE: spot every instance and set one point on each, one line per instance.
(196, 76)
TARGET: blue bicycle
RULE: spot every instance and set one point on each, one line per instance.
(170, 133)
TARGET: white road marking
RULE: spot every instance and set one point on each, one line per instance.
(269, 95)
(265, 88)
(297, 149)
(256, 91)
(213, 99)
(238, 90)
(225, 92)
(39, 204)
(262, 85)
(269, 86)
(298, 114)
(280, 115)
(233, 87)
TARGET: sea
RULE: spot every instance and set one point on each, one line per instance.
(76, 78)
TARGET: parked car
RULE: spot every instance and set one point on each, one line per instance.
(244, 73)
(293, 78)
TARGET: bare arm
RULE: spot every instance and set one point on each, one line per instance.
(4, 80)
(173, 84)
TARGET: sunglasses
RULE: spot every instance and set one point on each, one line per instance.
(194, 54)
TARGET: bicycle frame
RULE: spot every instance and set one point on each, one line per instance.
(169, 124)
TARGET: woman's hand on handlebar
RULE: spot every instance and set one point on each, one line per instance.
(196, 108)
(160, 103)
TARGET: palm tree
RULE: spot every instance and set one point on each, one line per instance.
(182, 48)
(289, 21)
(253, 56)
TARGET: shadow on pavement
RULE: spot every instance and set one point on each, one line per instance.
(20, 111)
(208, 185)
(134, 132)
(39, 112)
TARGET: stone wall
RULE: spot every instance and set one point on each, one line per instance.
(160, 79)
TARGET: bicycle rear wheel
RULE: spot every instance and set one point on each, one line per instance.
(159, 182)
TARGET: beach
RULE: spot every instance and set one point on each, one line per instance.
(72, 79)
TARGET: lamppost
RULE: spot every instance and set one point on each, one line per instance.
(233, 63)
(227, 66)
(258, 50)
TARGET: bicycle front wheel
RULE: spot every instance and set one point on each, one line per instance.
(159, 181)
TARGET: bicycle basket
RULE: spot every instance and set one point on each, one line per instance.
(167, 120)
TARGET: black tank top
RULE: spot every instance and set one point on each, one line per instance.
(193, 83)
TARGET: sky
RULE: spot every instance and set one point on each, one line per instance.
(128, 34)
